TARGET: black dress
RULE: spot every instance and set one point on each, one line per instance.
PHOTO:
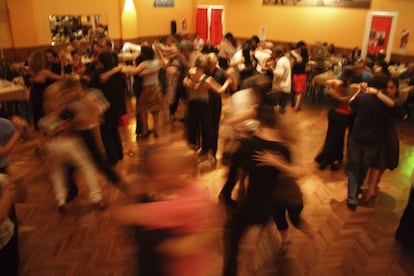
(389, 151)
(114, 91)
(36, 100)
(258, 205)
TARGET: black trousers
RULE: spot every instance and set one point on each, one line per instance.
(199, 118)
(215, 111)
(90, 142)
(230, 183)
(180, 94)
(283, 99)
(333, 148)
(279, 98)
(112, 140)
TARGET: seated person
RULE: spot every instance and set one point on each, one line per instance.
(409, 74)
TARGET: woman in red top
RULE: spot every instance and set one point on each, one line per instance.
(339, 120)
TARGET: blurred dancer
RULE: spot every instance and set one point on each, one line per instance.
(177, 69)
(340, 119)
(367, 135)
(9, 250)
(405, 229)
(215, 101)
(389, 152)
(87, 108)
(172, 225)
(10, 133)
(63, 147)
(258, 205)
(282, 79)
(199, 85)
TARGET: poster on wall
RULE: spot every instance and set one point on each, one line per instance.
(163, 3)
(405, 35)
(363, 4)
(379, 33)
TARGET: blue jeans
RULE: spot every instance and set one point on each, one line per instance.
(359, 160)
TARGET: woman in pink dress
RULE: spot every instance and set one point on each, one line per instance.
(179, 211)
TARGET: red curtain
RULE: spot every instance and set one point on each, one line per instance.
(202, 23)
(379, 34)
(216, 26)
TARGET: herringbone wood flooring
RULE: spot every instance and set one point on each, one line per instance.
(336, 242)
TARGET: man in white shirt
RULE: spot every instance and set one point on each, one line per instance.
(282, 80)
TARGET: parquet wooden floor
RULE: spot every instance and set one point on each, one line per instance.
(336, 241)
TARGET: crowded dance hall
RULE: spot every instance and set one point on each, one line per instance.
(206, 137)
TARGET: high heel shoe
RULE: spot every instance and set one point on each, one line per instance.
(370, 196)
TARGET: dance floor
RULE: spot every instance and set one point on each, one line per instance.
(88, 242)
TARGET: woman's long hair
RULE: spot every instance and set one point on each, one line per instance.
(107, 60)
(37, 62)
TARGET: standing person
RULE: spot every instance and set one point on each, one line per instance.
(10, 133)
(405, 230)
(172, 233)
(137, 87)
(215, 102)
(282, 79)
(40, 79)
(226, 48)
(257, 207)
(64, 148)
(9, 249)
(177, 69)
(114, 91)
(388, 154)
(150, 99)
(199, 117)
(360, 73)
(367, 135)
(87, 107)
(301, 57)
(244, 61)
(106, 46)
(340, 118)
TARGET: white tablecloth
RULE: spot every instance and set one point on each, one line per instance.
(12, 92)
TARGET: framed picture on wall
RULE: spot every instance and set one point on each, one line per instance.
(163, 3)
(379, 33)
(363, 4)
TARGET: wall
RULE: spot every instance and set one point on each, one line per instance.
(343, 27)
(156, 21)
(5, 38)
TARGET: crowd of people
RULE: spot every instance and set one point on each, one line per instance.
(77, 107)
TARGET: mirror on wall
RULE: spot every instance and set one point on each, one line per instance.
(77, 28)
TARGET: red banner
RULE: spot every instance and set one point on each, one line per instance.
(379, 34)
